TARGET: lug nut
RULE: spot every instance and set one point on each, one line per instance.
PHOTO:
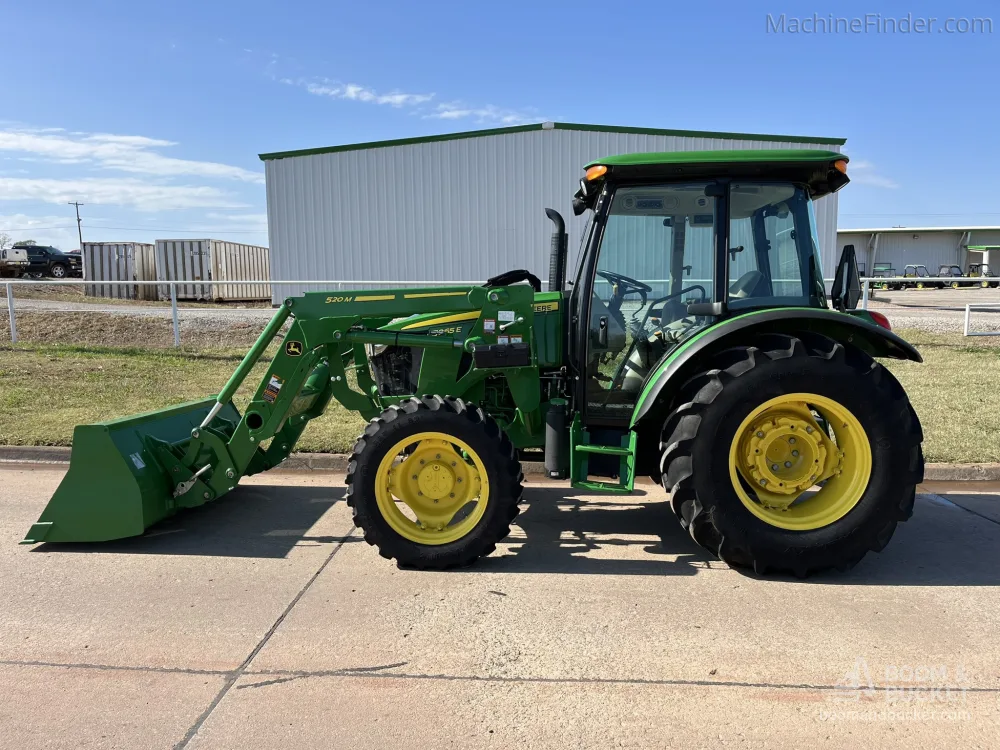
(459, 479)
(774, 467)
(414, 476)
(760, 434)
(788, 464)
(795, 453)
(763, 482)
(451, 495)
(809, 430)
(791, 441)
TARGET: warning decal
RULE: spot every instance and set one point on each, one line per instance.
(273, 388)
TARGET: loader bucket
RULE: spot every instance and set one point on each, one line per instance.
(115, 487)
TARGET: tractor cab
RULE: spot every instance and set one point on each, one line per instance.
(678, 241)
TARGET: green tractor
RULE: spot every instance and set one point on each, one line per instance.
(695, 344)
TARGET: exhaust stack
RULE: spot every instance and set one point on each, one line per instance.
(557, 255)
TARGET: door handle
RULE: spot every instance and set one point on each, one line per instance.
(602, 332)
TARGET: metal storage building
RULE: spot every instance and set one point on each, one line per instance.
(216, 261)
(928, 246)
(119, 261)
(463, 206)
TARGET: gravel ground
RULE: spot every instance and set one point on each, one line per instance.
(939, 310)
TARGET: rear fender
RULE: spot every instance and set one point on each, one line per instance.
(688, 359)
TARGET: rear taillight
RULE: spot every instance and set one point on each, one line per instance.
(880, 319)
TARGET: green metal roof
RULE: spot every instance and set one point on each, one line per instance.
(755, 156)
(556, 126)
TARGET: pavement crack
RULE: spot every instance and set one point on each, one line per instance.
(340, 672)
(664, 682)
(113, 667)
(239, 671)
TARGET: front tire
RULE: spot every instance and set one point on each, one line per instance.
(434, 483)
(58, 271)
(815, 510)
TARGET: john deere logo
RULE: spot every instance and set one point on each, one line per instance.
(293, 348)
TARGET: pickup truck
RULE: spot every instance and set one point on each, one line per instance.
(49, 261)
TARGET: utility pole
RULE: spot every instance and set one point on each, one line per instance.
(79, 226)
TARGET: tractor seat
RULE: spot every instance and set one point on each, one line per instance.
(746, 285)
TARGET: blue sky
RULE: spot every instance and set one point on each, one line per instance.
(153, 114)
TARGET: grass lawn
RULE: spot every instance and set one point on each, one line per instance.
(46, 389)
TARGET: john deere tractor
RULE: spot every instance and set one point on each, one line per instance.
(695, 344)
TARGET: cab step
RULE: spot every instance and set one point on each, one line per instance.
(579, 461)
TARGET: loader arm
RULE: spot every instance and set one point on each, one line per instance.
(128, 474)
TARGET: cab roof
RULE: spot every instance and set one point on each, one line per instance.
(814, 167)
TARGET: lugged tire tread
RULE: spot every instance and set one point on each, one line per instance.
(699, 393)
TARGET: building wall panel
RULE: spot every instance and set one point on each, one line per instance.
(454, 210)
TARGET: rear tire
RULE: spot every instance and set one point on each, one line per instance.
(696, 458)
(395, 536)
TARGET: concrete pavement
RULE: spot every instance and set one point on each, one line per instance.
(263, 620)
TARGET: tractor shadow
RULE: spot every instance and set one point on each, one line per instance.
(261, 521)
(558, 531)
(943, 544)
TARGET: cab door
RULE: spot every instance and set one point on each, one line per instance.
(655, 254)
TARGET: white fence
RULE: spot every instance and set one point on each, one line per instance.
(967, 282)
(218, 309)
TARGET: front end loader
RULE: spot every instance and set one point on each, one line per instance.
(696, 344)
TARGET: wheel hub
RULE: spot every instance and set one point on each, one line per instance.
(436, 482)
(785, 455)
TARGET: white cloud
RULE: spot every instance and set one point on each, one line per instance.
(421, 104)
(123, 153)
(487, 114)
(137, 194)
(59, 231)
(863, 173)
(358, 93)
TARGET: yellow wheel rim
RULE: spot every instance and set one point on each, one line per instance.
(436, 494)
(792, 473)
(954, 285)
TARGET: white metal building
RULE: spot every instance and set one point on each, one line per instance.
(928, 246)
(462, 206)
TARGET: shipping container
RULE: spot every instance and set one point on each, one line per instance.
(119, 261)
(215, 262)
(461, 206)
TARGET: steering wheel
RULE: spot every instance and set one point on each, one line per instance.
(649, 312)
(626, 285)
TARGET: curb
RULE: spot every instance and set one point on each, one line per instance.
(337, 462)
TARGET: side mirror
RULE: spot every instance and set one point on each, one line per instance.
(846, 292)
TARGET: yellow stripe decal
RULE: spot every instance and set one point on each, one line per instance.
(434, 294)
(547, 306)
(442, 321)
(375, 298)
